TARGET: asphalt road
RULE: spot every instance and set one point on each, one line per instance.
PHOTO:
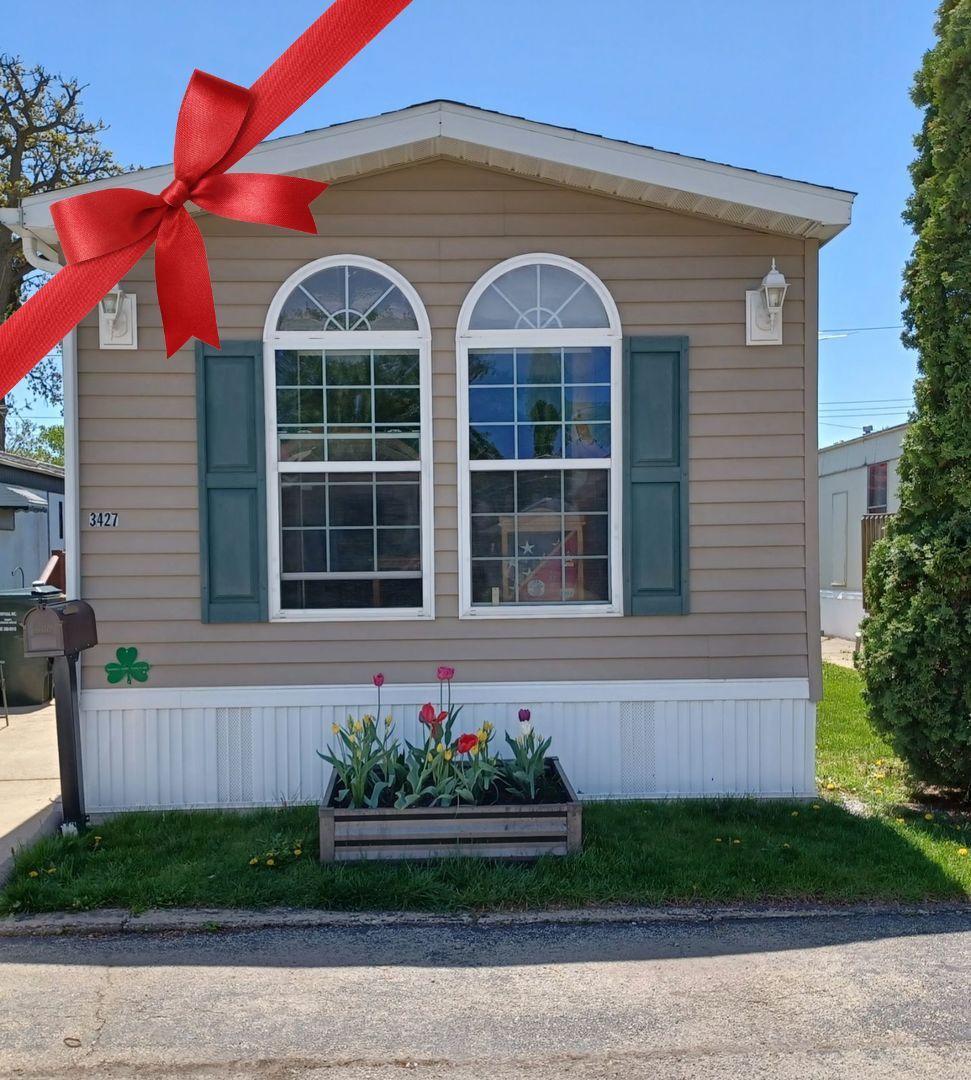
(859, 996)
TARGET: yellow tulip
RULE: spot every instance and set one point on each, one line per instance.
(487, 726)
(428, 756)
(335, 728)
(440, 748)
(448, 755)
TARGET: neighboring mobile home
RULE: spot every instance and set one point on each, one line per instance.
(500, 414)
(857, 491)
(31, 518)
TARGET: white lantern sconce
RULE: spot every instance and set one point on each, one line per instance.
(763, 309)
(117, 321)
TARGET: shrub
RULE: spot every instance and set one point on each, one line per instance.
(917, 638)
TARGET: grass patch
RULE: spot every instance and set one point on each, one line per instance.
(637, 852)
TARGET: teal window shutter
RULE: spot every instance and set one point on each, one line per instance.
(656, 476)
(232, 482)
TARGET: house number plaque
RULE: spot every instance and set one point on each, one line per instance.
(103, 519)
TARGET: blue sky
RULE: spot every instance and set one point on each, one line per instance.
(813, 89)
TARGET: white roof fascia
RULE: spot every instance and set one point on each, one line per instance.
(684, 184)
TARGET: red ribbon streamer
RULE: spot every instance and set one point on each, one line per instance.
(104, 233)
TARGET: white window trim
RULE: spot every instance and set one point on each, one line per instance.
(467, 339)
(419, 339)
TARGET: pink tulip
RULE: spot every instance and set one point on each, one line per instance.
(446, 674)
(378, 680)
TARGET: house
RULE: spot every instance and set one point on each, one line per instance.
(500, 413)
(857, 492)
(31, 518)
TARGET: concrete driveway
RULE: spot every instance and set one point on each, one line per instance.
(30, 789)
(856, 995)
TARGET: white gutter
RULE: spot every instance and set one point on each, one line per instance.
(37, 252)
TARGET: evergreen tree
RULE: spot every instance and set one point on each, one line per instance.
(917, 638)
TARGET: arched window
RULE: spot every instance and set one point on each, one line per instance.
(347, 374)
(539, 366)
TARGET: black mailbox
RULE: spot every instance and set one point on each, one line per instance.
(60, 629)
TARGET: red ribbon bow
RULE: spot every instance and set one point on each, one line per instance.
(104, 233)
(104, 222)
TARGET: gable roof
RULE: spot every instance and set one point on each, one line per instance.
(449, 129)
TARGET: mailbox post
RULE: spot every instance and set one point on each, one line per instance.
(62, 629)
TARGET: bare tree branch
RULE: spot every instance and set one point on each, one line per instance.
(46, 143)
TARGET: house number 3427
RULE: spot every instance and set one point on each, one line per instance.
(103, 519)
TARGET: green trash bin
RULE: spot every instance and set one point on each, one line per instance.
(28, 681)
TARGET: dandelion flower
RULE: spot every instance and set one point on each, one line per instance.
(816, 806)
(928, 817)
(736, 841)
(899, 820)
(881, 776)
(878, 791)
(33, 873)
(963, 852)
(298, 852)
(795, 813)
(831, 786)
(97, 839)
(271, 862)
(254, 862)
(785, 845)
(718, 839)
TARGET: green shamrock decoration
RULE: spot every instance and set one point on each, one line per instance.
(128, 667)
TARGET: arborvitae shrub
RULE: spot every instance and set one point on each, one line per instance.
(917, 639)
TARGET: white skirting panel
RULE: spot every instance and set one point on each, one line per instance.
(840, 612)
(233, 747)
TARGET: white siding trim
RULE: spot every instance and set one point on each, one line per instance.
(418, 693)
(72, 470)
(211, 748)
(438, 128)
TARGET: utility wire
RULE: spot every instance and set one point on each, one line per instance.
(860, 329)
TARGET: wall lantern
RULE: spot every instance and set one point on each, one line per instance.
(117, 325)
(763, 309)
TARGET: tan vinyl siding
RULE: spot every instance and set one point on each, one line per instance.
(442, 225)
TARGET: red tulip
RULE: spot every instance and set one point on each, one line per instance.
(378, 680)
(427, 715)
(446, 674)
(466, 742)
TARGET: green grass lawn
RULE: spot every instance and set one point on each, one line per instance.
(637, 852)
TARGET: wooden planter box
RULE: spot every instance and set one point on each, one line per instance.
(510, 831)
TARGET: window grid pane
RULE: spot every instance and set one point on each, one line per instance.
(354, 538)
(540, 537)
(344, 405)
(530, 404)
